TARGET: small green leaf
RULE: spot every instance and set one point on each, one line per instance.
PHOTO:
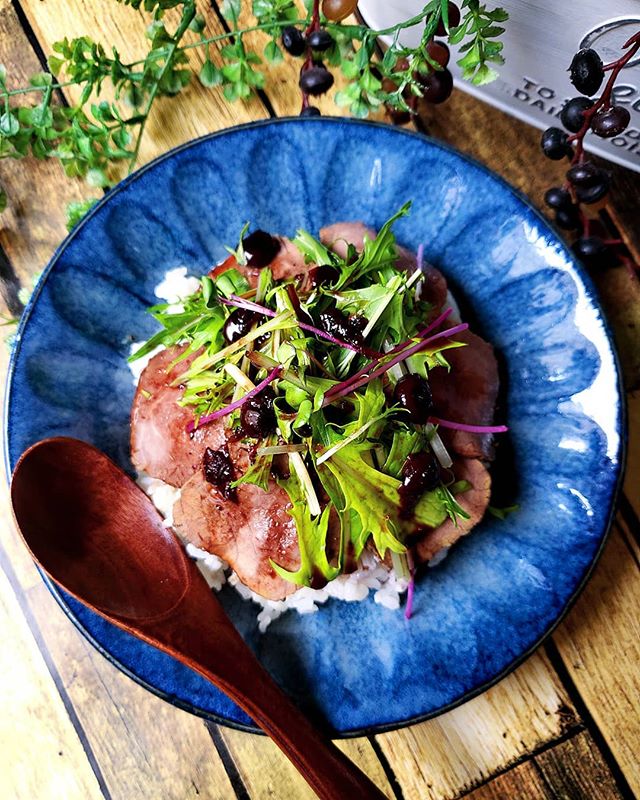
(121, 138)
(498, 15)
(3, 75)
(41, 79)
(77, 210)
(231, 9)
(484, 75)
(98, 178)
(197, 24)
(209, 74)
(3, 199)
(42, 116)
(55, 64)
(444, 13)
(471, 58)
(9, 125)
(232, 72)
(273, 53)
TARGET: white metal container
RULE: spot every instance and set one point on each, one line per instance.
(540, 40)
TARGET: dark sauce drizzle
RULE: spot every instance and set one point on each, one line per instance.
(219, 472)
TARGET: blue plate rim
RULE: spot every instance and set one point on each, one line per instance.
(579, 273)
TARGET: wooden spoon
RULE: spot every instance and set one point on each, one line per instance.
(97, 535)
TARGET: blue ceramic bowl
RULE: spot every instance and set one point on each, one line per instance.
(357, 667)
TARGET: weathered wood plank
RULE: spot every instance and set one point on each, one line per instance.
(446, 756)
(632, 475)
(624, 209)
(34, 223)
(575, 770)
(268, 774)
(523, 782)
(146, 748)
(42, 755)
(194, 112)
(599, 643)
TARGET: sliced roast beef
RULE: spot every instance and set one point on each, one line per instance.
(340, 235)
(246, 533)
(467, 394)
(160, 444)
(474, 501)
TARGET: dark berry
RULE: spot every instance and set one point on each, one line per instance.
(568, 218)
(586, 72)
(572, 115)
(397, 115)
(337, 10)
(556, 197)
(257, 417)
(316, 80)
(388, 85)
(420, 474)
(319, 276)
(436, 86)
(438, 52)
(260, 248)
(238, 324)
(554, 144)
(413, 394)
(594, 193)
(454, 20)
(218, 471)
(585, 174)
(591, 249)
(310, 111)
(610, 122)
(320, 40)
(293, 41)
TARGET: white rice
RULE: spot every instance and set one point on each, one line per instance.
(372, 574)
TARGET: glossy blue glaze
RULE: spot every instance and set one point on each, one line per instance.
(356, 666)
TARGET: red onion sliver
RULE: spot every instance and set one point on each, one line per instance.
(431, 326)
(399, 347)
(411, 586)
(461, 426)
(348, 386)
(222, 412)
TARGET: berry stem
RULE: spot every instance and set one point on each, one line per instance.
(314, 25)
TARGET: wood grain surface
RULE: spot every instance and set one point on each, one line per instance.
(564, 725)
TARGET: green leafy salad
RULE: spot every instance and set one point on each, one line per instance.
(328, 373)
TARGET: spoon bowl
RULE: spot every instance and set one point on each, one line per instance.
(106, 546)
(97, 535)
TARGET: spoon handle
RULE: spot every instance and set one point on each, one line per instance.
(328, 771)
(203, 638)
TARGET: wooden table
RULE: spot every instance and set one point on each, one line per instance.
(564, 725)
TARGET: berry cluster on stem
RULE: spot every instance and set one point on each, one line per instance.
(588, 183)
